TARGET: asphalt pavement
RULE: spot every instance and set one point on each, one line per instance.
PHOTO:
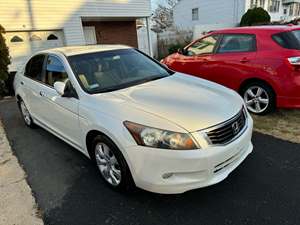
(264, 189)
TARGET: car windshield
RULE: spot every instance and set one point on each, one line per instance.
(113, 70)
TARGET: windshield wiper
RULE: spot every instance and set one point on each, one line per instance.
(129, 84)
(148, 79)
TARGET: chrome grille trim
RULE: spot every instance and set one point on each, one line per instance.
(223, 133)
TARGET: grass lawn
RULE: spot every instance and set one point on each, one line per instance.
(284, 124)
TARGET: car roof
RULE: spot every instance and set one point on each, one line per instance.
(256, 29)
(78, 50)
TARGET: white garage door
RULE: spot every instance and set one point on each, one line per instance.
(23, 44)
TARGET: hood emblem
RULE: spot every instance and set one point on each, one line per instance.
(235, 127)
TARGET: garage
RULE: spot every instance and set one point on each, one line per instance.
(105, 32)
(22, 44)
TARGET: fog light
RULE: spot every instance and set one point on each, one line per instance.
(167, 175)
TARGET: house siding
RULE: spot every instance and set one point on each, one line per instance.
(66, 14)
(218, 12)
(210, 12)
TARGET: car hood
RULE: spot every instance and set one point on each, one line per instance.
(190, 102)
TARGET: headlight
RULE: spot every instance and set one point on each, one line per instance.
(157, 138)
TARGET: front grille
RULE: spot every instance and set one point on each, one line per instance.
(227, 131)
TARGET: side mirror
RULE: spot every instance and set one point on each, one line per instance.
(181, 51)
(60, 87)
(164, 65)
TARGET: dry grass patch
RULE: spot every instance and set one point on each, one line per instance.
(284, 124)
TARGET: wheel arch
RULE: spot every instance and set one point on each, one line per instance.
(91, 134)
(89, 139)
(255, 80)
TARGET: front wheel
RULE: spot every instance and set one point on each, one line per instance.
(111, 164)
(259, 98)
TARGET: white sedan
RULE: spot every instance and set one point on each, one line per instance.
(142, 124)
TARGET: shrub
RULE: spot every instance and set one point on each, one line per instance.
(174, 47)
(4, 62)
(256, 16)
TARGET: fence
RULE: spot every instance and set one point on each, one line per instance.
(170, 39)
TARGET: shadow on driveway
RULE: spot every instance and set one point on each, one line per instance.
(265, 189)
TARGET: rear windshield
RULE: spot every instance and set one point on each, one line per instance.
(289, 40)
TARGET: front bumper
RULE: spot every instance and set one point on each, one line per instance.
(171, 172)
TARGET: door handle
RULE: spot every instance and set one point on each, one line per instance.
(244, 60)
(42, 93)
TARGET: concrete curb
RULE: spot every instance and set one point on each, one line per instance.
(17, 205)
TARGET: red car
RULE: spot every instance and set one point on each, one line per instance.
(261, 63)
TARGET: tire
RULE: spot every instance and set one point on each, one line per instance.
(259, 98)
(25, 114)
(117, 174)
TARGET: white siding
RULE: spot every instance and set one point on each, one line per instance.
(218, 12)
(210, 12)
(66, 14)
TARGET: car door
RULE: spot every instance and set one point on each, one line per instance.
(32, 84)
(234, 59)
(60, 113)
(196, 58)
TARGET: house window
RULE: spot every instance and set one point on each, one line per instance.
(52, 37)
(35, 38)
(274, 5)
(294, 9)
(16, 39)
(195, 14)
(257, 3)
(297, 11)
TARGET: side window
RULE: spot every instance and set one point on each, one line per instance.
(55, 71)
(34, 67)
(203, 46)
(237, 43)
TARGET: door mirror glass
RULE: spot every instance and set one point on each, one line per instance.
(180, 51)
(60, 87)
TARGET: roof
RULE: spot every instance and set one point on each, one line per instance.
(277, 28)
(77, 50)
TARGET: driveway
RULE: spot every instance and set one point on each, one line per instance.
(265, 189)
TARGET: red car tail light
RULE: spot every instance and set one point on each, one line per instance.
(294, 61)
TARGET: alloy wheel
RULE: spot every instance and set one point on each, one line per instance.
(256, 99)
(108, 164)
(25, 113)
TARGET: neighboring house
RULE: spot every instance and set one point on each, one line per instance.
(33, 25)
(220, 13)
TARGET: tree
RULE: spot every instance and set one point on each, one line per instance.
(4, 61)
(255, 16)
(162, 17)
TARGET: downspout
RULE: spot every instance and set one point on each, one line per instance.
(149, 37)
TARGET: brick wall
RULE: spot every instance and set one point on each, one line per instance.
(115, 32)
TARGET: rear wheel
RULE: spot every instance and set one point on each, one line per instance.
(111, 164)
(259, 98)
(25, 114)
